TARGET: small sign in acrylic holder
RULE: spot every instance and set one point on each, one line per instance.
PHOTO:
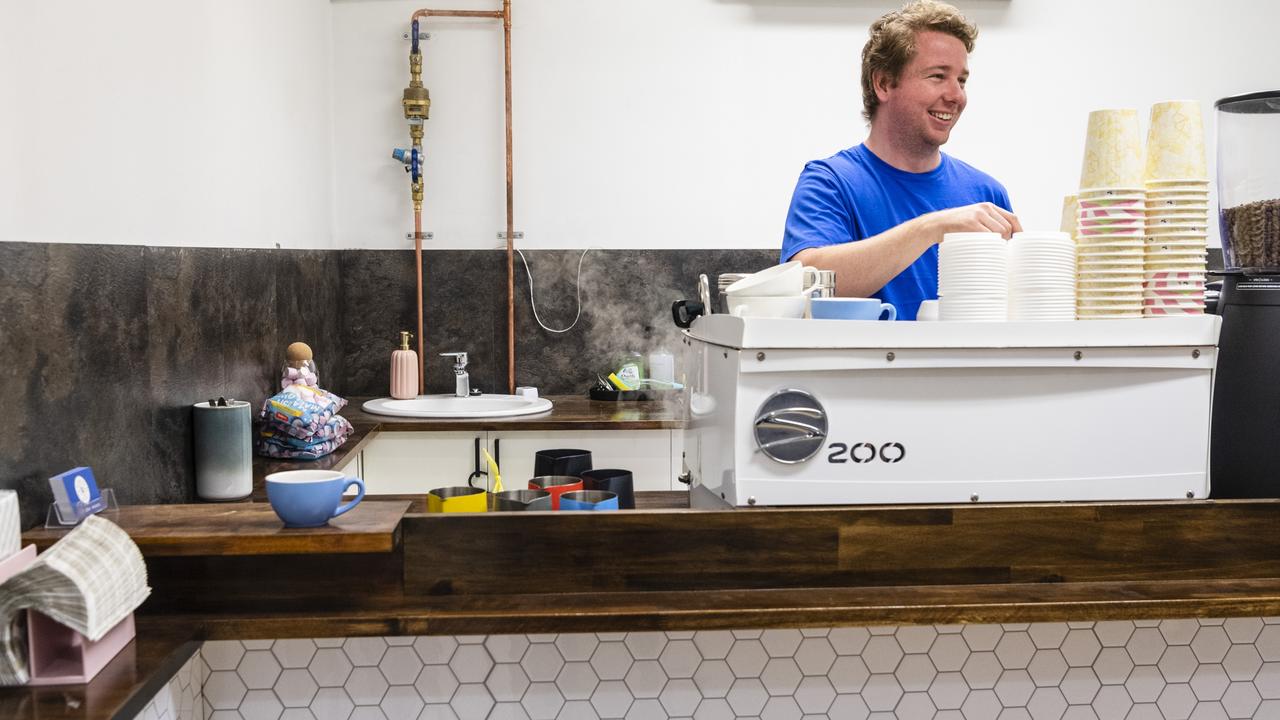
(56, 518)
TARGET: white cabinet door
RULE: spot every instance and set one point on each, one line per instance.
(646, 453)
(415, 462)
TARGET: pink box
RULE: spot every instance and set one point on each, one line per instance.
(57, 654)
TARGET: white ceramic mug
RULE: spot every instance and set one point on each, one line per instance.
(928, 311)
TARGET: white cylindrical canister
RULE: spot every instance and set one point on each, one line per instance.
(223, 450)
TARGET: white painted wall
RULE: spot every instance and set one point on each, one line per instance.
(674, 123)
(654, 123)
(201, 122)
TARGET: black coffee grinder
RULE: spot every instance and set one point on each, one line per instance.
(1245, 445)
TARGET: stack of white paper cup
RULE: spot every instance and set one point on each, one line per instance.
(973, 277)
(1112, 216)
(1177, 211)
(1042, 276)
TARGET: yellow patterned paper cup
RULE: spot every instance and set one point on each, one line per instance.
(1070, 215)
(1175, 142)
(1113, 152)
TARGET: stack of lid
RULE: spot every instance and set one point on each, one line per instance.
(1110, 223)
(973, 277)
(1042, 282)
(1177, 211)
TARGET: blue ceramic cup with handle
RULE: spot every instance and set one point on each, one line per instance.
(847, 308)
(310, 498)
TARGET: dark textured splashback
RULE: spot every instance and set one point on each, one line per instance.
(104, 348)
(624, 292)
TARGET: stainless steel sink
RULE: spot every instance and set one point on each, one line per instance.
(451, 406)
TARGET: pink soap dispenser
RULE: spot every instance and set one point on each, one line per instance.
(404, 370)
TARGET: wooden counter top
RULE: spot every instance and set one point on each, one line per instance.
(373, 526)
(123, 688)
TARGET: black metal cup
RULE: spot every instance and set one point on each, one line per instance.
(561, 461)
(612, 480)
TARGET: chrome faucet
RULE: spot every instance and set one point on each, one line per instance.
(462, 388)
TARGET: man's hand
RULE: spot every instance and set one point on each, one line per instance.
(979, 217)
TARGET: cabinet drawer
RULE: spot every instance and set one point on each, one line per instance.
(415, 462)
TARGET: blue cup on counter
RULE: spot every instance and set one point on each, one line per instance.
(847, 308)
(310, 498)
(589, 500)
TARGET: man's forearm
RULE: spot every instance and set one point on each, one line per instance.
(865, 266)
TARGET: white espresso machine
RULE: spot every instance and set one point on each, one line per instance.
(821, 412)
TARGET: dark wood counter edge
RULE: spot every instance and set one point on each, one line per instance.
(121, 691)
(791, 608)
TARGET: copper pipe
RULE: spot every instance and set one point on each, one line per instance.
(511, 206)
(417, 264)
(496, 14)
(505, 16)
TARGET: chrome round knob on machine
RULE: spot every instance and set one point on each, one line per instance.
(790, 427)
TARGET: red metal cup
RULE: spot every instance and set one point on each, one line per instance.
(557, 485)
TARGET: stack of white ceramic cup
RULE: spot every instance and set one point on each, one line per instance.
(1042, 276)
(1111, 222)
(973, 277)
(1177, 211)
(775, 292)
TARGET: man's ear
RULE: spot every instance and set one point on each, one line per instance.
(881, 83)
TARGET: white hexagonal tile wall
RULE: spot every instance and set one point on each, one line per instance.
(611, 699)
(915, 673)
(747, 696)
(915, 638)
(848, 640)
(542, 662)
(882, 654)
(814, 695)
(713, 678)
(680, 658)
(472, 701)
(645, 678)
(296, 688)
(577, 680)
(781, 676)
(436, 684)
(225, 654)
(364, 651)
(506, 648)
(781, 643)
(330, 667)
(716, 644)
(679, 697)
(645, 645)
(293, 653)
(471, 663)
(1178, 663)
(611, 660)
(542, 701)
(400, 665)
(435, 649)
(507, 682)
(848, 674)
(258, 669)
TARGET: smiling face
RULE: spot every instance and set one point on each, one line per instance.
(919, 110)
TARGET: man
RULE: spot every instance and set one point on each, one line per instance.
(875, 213)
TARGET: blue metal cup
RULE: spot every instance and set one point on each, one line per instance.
(310, 498)
(589, 500)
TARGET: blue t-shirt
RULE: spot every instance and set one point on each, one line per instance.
(854, 195)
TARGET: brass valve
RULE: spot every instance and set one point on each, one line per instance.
(417, 99)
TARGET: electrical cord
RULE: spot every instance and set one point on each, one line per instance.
(577, 286)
